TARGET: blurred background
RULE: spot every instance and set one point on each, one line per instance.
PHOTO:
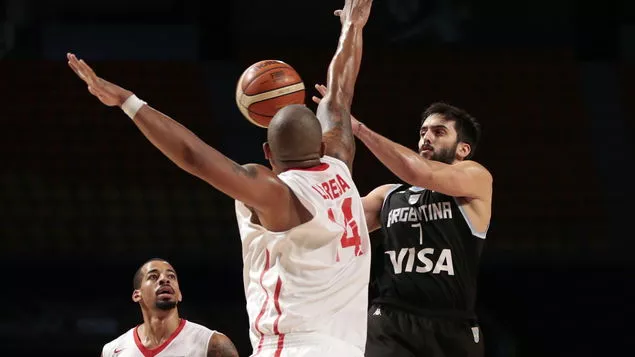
(85, 198)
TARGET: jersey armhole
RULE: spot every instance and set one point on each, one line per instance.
(475, 233)
(390, 192)
(209, 340)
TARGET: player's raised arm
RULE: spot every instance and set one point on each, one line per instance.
(254, 185)
(334, 110)
(465, 178)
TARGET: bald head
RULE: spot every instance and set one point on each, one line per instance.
(295, 134)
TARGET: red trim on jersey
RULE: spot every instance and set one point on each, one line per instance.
(155, 351)
(280, 346)
(276, 303)
(264, 305)
(322, 167)
(276, 296)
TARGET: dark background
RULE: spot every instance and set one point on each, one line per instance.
(85, 198)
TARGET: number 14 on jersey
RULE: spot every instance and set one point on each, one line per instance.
(350, 237)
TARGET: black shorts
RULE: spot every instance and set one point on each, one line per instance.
(397, 333)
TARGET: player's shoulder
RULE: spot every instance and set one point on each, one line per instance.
(472, 164)
(381, 192)
(389, 188)
(197, 333)
(338, 163)
(476, 167)
(257, 169)
(328, 166)
(198, 327)
(121, 342)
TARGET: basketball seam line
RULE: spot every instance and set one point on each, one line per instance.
(245, 100)
(272, 90)
(264, 115)
(258, 76)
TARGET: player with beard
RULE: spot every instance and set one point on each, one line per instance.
(163, 332)
(434, 230)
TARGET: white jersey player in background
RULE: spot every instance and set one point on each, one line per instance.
(164, 332)
(306, 246)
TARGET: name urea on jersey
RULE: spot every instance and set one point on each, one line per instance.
(332, 188)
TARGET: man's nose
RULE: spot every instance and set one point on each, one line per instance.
(427, 138)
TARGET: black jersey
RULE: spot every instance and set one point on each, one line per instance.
(431, 253)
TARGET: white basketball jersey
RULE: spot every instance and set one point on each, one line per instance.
(309, 283)
(188, 340)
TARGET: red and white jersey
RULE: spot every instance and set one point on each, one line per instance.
(188, 340)
(309, 285)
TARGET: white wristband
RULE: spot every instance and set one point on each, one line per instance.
(132, 105)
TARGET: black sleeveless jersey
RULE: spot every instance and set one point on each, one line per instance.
(431, 253)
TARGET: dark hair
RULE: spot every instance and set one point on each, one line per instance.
(138, 275)
(468, 130)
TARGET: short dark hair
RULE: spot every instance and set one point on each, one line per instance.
(138, 275)
(468, 130)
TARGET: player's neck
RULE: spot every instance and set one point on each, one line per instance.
(299, 164)
(157, 328)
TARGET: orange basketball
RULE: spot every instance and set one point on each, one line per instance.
(265, 87)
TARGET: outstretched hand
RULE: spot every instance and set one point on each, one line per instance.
(108, 93)
(321, 88)
(355, 11)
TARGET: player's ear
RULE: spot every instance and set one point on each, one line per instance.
(322, 149)
(136, 295)
(267, 150)
(463, 150)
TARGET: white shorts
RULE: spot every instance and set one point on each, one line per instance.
(305, 345)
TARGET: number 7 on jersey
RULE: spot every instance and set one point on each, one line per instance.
(415, 225)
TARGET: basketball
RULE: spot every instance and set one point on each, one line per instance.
(266, 87)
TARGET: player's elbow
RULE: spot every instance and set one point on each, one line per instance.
(330, 113)
(475, 184)
(343, 96)
(330, 102)
(489, 179)
(191, 158)
(338, 99)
